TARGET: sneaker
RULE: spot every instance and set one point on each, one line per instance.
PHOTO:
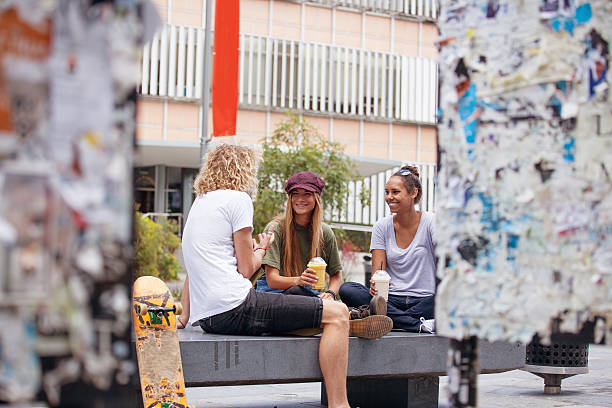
(360, 312)
(378, 305)
(427, 326)
(371, 327)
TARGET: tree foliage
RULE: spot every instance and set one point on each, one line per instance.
(154, 248)
(296, 145)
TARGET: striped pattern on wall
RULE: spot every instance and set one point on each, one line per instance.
(302, 76)
(416, 8)
(355, 215)
(332, 79)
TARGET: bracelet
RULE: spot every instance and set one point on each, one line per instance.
(265, 249)
(332, 292)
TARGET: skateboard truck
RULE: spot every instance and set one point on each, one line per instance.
(157, 311)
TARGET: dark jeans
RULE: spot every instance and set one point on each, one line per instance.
(265, 312)
(405, 311)
(299, 290)
(262, 286)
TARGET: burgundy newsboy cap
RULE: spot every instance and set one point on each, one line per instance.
(306, 180)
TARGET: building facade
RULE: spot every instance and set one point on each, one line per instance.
(362, 71)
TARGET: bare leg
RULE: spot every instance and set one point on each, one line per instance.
(333, 352)
(181, 321)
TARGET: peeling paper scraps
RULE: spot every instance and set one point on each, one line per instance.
(594, 66)
(524, 188)
(67, 123)
(20, 371)
(22, 108)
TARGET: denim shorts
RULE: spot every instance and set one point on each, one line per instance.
(265, 312)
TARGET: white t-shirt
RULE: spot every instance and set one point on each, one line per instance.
(215, 285)
(412, 269)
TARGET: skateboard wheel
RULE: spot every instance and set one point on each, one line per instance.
(142, 309)
(178, 308)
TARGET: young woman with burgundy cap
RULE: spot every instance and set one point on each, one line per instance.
(299, 235)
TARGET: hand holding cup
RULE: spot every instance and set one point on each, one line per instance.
(308, 278)
(381, 279)
(373, 290)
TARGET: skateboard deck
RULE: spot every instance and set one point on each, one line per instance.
(157, 346)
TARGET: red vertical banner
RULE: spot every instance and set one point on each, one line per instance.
(225, 67)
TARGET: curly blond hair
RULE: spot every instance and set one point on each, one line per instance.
(228, 167)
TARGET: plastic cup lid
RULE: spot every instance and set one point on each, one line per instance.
(317, 261)
(381, 275)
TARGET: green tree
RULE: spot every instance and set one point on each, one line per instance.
(154, 246)
(296, 145)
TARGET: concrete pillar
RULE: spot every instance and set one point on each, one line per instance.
(188, 178)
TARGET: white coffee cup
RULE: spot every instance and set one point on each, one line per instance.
(381, 280)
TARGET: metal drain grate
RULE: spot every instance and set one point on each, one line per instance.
(557, 355)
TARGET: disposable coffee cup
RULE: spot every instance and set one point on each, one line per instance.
(318, 265)
(381, 280)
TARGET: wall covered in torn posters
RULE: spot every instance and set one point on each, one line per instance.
(68, 73)
(524, 200)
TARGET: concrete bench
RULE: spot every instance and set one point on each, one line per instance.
(398, 370)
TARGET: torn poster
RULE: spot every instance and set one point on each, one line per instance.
(524, 193)
(68, 76)
(25, 45)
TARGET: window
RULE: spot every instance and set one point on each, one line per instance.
(144, 188)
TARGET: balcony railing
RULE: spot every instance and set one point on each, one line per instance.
(427, 9)
(303, 76)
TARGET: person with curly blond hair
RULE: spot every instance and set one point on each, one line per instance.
(220, 256)
(229, 167)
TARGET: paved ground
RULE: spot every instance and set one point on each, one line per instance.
(508, 390)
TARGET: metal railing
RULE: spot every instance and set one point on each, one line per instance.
(279, 74)
(427, 9)
(354, 215)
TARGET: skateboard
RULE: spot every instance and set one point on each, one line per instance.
(157, 345)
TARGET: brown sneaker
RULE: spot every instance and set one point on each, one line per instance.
(371, 327)
(378, 305)
(360, 312)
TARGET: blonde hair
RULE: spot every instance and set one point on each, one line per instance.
(292, 263)
(228, 167)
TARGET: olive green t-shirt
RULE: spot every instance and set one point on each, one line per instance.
(274, 254)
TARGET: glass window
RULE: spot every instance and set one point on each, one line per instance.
(144, 177)
(144, 189)
(174, 190)
(174, 177)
